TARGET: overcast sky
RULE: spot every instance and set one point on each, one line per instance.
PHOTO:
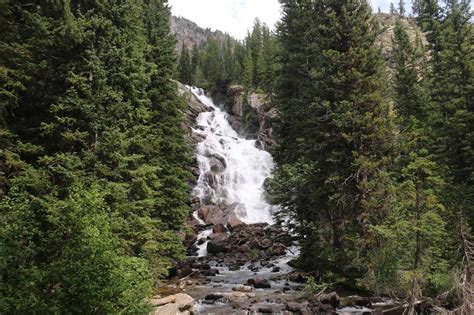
(236, 16)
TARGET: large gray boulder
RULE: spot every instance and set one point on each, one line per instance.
(173, 305)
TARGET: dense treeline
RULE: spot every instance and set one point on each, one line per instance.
(381, 178)
(251, 63)
(93, 179)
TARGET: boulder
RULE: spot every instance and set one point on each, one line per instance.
(242, 288)
(326, 308)
(360, 301)
(219, 228)
(259, 283)
(331, 298)
(278, 249)
(216, 246)
(184, 271)
(299, 308)
(238, 298)
(233, 221)
(265, 310)
(211, 215)
(172, 305)
(210, 272)
(243, 248)
(276, 269)
(216, 165)
(256, 100)
(213, 297)
(297, 277)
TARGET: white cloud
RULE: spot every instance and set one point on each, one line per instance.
(232, 16)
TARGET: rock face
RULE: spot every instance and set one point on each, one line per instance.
(190, 34)
(173, 305)
(194, 108)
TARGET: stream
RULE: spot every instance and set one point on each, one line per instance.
(247, 271)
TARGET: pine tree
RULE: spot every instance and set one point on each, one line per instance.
(195, 61)
(335, 124)
(212, 63)
(247, 79)
(401, 8)
(410, 257)
(412, 101)
(90, 103)
(393, 11)
(185, 67)
(228, 56)
(453, 91)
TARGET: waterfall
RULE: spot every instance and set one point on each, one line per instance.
(232, 169)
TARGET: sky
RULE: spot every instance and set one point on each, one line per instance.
(236, 16)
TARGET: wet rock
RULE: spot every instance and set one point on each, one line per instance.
(201, 241)
(184, 271)
(259, 283)
(238, 297)
(278, 249)
(213, 296)
(211, 179)
(331, 298)
(326, 308)
(216, 165)
(265, 310)
(276, 269)
(210, 273)
(360, 301)
(242, 288)
(254, 267)
(217, 245)
(211, 215)
(219, 228)
(233, 221)
(297, 277)
(299, 308)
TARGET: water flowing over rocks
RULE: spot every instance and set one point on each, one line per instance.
(238, 258)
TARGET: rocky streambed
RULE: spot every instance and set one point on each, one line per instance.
(246, 271)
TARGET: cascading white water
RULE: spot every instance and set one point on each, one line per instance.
(232, 168)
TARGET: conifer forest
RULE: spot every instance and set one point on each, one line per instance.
(321, 166)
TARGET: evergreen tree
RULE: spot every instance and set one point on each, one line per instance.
(228, 56)
(412, 101)
(393, 11)
(212, 63)
(401, 8)
(185, 67)
(89, 102)
(247, 79)
(410, 258)
(335, 132)
(195, 60)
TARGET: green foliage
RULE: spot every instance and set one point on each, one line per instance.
(313, 287)
(88, 101)
(73, 265)
(252, 63)
(185, 67)
(336, 124)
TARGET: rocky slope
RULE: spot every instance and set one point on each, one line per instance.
(190, 34)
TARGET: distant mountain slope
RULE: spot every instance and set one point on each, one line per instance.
(189, 33)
